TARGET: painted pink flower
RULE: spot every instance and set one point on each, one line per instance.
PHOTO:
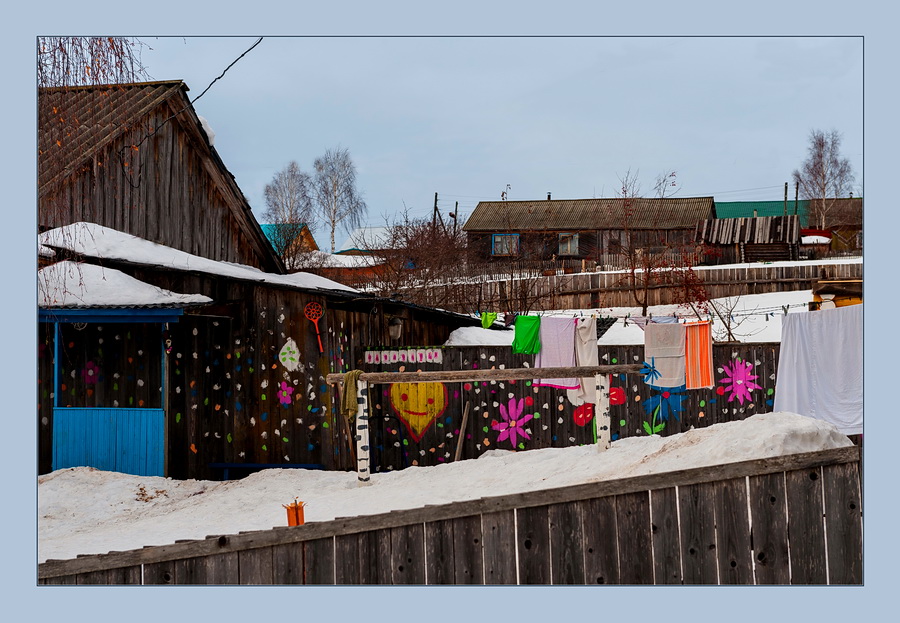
(513, 424)
(739, 381)
(90, 373)
(284, 393)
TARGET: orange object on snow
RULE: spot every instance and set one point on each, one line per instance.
(295, 513)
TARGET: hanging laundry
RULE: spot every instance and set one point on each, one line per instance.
(698, 362)
(487, 319)
(509, 318)
(527, 335)
(557, 351)
(586, 354)
(820, 367)
(643, 321)
(664, 354)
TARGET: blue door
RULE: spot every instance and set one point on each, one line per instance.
(130, 441)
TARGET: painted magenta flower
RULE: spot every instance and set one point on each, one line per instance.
(739, 381)
(90, 373)
(667, 400)
(284, 393)
(513, 424)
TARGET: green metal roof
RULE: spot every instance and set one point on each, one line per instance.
(745, 209)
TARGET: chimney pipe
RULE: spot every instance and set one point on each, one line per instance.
(548, 196)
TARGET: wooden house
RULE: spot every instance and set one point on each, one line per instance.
(581, 228)
(225, 371)
(138, 159)
(225, 368)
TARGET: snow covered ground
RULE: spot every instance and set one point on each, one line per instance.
(86, 511)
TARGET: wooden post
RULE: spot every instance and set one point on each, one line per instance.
(362, 432)
(602, 420)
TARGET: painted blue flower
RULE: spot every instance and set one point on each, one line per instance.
(668, 400)
(650, 372)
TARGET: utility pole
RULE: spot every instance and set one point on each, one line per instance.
(785, 198)
(796, 197)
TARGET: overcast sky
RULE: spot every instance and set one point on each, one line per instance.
(466, 116)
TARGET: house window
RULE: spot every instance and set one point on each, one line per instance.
(505, 244)
(568, 244)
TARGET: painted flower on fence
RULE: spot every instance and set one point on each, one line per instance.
(616, 396)
(739, 381)
(666, 402)
(650, 372)
(91, 372)
(513, 425)
(284, 393)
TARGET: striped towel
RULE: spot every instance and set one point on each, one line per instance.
(698, 363)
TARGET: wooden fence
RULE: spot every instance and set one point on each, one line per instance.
(611, 289)
(794, 519)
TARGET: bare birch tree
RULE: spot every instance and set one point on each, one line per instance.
(334, 191)
(289, 207)
(824, 175)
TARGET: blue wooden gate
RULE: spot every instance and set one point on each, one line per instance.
(131, 441)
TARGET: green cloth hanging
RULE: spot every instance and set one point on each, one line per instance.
(487, 319)
(527, 336)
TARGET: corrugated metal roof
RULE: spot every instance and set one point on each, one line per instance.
(745, 209)
(588, 214)
(76, 122)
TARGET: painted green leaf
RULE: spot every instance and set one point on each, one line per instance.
(647, 428)
(659, 427)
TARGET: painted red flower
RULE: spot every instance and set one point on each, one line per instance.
(616, 396)
(584, 413)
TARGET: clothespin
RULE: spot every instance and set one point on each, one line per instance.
(784, 308)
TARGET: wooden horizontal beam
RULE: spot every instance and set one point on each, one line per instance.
(495, 374)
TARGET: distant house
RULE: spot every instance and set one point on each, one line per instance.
(839, 219)
(581, 228)
(289, 240)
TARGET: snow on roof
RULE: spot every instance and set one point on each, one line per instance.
(70, 284)
(477, 336)
(94, 240)
(815, 240)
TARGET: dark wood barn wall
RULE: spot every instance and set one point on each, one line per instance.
(230, 397)
(168, 190)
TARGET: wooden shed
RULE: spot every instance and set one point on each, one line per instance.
(229, 381)
(138, 159)
(752, 239)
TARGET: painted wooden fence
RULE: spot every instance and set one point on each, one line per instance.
(794, 519)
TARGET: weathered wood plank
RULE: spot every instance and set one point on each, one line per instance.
(160, 573)
(843, 523)
(601, 552)
(408, 554)
(768, 519)
(348, 558)
(566, 544)
(533, 544)
(257, 566)
(215, 569)
(439, 552)
(806, 528)
(287, 564)
(698, 534)
(486, 375)
(318, 561)
(633, 533)
(499, 538)
(665, 535)
(733, 532)
(468, 559)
